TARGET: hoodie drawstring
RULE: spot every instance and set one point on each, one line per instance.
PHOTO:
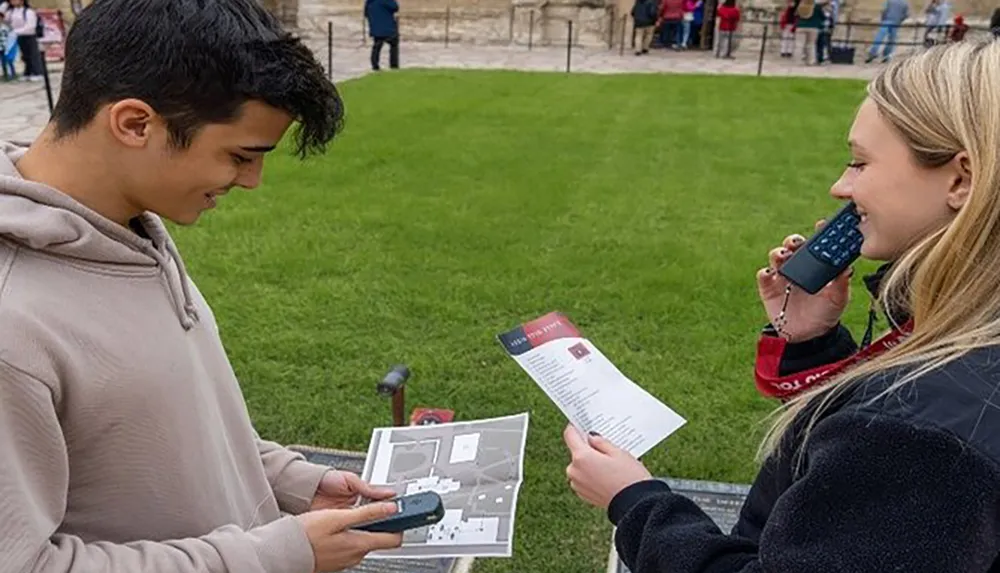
(190, 312)
(183, 302)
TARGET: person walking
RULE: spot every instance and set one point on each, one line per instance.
(894, 13)
(383, 27)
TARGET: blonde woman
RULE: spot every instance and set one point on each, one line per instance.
(895, 464)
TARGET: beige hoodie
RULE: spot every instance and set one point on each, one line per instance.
(125, 444)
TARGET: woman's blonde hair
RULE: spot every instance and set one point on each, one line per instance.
(942, 101)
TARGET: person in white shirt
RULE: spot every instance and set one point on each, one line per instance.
(938, 13)
(8, 50)
(24, 22)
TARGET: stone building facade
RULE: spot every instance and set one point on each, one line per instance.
(540, 22)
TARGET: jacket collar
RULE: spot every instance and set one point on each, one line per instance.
(873, 282)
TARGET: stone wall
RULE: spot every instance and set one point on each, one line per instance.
(64, 5)
(543, 22)
(471, 21)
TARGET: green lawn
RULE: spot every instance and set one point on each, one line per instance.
(458, 204)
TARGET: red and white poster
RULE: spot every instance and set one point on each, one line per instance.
(55, 34)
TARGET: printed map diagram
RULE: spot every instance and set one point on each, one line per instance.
(476, 467)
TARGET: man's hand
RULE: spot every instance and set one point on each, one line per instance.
(335, 545)
(341, 490)
(599, 470)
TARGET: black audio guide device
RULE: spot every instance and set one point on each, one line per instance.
(412, 511)
(827, 253)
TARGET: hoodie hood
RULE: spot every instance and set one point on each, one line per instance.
(48, 221)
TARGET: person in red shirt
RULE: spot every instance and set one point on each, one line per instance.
(787, 22)
(729, 20)
(671, 17)
(958, 30)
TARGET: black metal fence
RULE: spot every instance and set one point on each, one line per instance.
(758, 37)
(849, 42)
(516, 26)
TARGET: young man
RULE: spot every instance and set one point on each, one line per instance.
(125, 443)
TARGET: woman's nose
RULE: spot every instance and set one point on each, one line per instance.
(841, 189)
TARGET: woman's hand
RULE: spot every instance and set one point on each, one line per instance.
(807, 316)
(599, 470)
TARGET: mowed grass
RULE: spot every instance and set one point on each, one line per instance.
(458, 204)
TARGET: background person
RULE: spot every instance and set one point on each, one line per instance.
(937, 14)
(894, 13)
(729, 21)
(691, 7)
(24, 23)
(8, 49)
(786, 22)
(958, 30)
(895, 465)
(383, 27)
(644, 20)
(671, 18)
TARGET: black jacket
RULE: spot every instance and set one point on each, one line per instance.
(909, 483)
(381, 15)
(644, 13)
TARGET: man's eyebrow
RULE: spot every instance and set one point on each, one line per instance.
(258, 148)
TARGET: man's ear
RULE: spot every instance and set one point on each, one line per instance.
(131, 122)
(961, 186)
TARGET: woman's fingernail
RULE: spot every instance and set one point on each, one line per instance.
(593, 433)
(768, 271)
(782, 252)
(796, 240)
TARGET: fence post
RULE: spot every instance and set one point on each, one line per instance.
(447, 24)
(569, 43)
(611, 27)
(621, 52)
(763, 44)
(48, 84)
(531, 27)
(329, 49)
(510, 31)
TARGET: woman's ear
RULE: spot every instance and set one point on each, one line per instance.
(961, 185)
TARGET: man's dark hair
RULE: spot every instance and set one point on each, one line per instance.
(195, 62)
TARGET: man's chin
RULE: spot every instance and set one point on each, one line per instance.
(183, 219)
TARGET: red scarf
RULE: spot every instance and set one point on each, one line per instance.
(771, 348)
